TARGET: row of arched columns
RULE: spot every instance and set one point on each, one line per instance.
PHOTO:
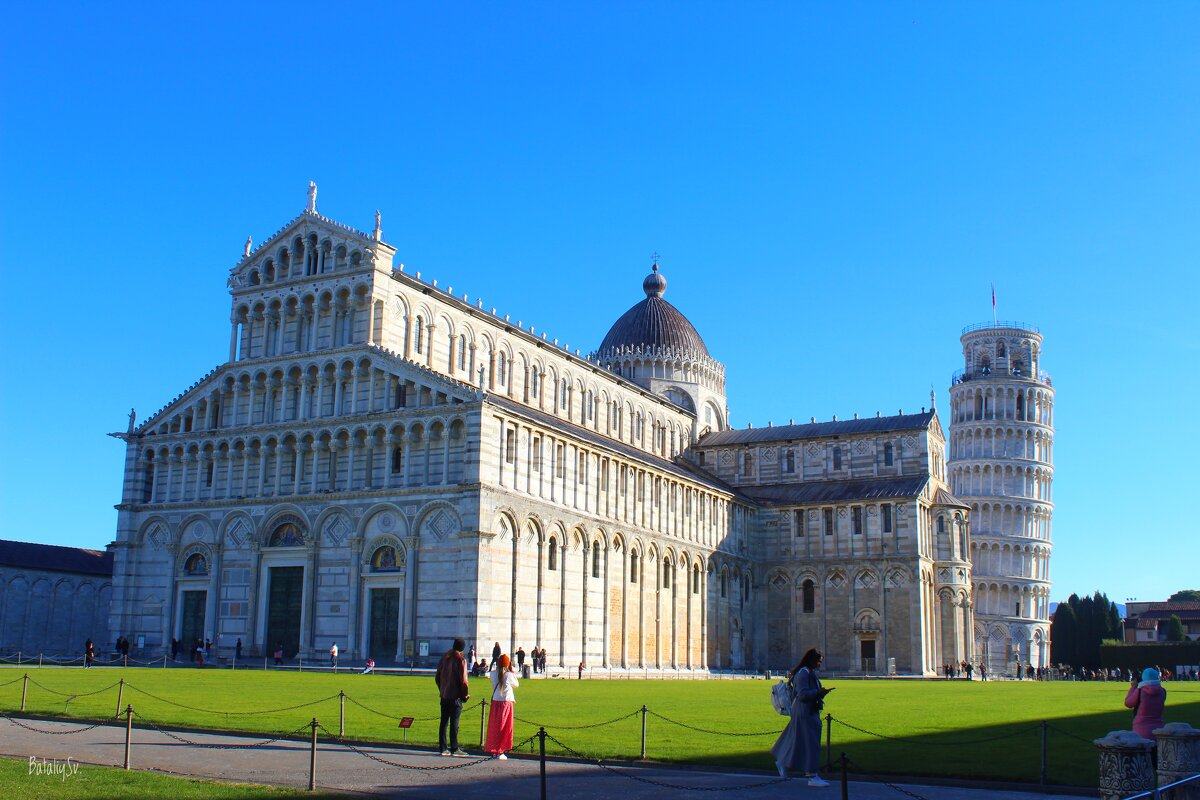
(1005, 559)
(540, 462)
(972, 403)
(299, 391)
(1002, 480)
(416, 452)
(612, 600)
(1002, 442)
(305, 255)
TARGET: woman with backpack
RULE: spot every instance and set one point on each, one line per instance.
(799, 746)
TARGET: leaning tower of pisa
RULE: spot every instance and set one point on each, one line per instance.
(1002, 465)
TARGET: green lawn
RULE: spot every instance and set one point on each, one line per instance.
(979, 730)
(86, 782)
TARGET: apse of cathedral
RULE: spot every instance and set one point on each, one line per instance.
(385, 464)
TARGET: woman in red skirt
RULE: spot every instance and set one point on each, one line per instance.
(500, 719)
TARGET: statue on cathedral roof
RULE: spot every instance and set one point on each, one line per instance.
(312, 198)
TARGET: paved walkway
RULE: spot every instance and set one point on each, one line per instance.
(425, 775)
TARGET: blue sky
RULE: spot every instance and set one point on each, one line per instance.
(832, 188)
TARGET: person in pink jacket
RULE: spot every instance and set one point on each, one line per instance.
(1147, 700)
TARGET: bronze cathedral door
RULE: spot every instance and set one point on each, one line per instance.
(191, 624)
(385, 620)
(284, 609)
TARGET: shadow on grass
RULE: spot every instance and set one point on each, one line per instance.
(1008, 752)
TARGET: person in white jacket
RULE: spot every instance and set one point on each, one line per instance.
(500, 719)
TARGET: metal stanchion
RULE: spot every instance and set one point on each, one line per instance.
(24, 689)
(128, 732)
(312, 758)
(482, 719)
(120, 696)
(828, 742)
(643, 752)
(341, 714)
(845, 780)
(542, 758)
(1042, 774)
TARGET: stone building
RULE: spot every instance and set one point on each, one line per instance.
(1002, 464)
(384, 464)
(53, 599)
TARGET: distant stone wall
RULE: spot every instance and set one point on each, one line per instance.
(53, 613)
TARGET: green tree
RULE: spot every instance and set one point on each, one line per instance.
(1064, 631)
(1184, 595)
(1175, 632)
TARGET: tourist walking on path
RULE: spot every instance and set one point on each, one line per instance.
(237, 650)
(333, 655)
(799, 746)
(1147, 699)
(451, 679)
(89, 653)
(500, 718)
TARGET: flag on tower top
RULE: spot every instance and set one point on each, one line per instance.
(993, 305)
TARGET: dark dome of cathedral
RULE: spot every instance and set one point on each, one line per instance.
(654, 323)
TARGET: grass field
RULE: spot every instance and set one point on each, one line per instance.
(88, 783)
(978, 730)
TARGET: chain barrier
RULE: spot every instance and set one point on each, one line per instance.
(10, 683)
(1068, 734)
(858, 768)
(217, 746)
(54, 733)
(230, 713)
(413, 767)
(73, 694)
(1020, 732)
(579, 727)
(390, 716)
(642, 779)
(707, 730)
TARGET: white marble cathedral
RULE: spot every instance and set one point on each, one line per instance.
(386, 465)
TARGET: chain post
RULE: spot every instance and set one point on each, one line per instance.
(643, 755)
(845, 779)
(164, 661)
(482, 719)
(120, 696)
(24, 689)
(828, 742)
(128, 732)
(342, 714)
(312, 758)
(542, 758)
(1042, 775)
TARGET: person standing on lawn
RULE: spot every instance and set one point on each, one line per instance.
(799, 746)
(500, 718)
(451, 679)
(495, 655)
